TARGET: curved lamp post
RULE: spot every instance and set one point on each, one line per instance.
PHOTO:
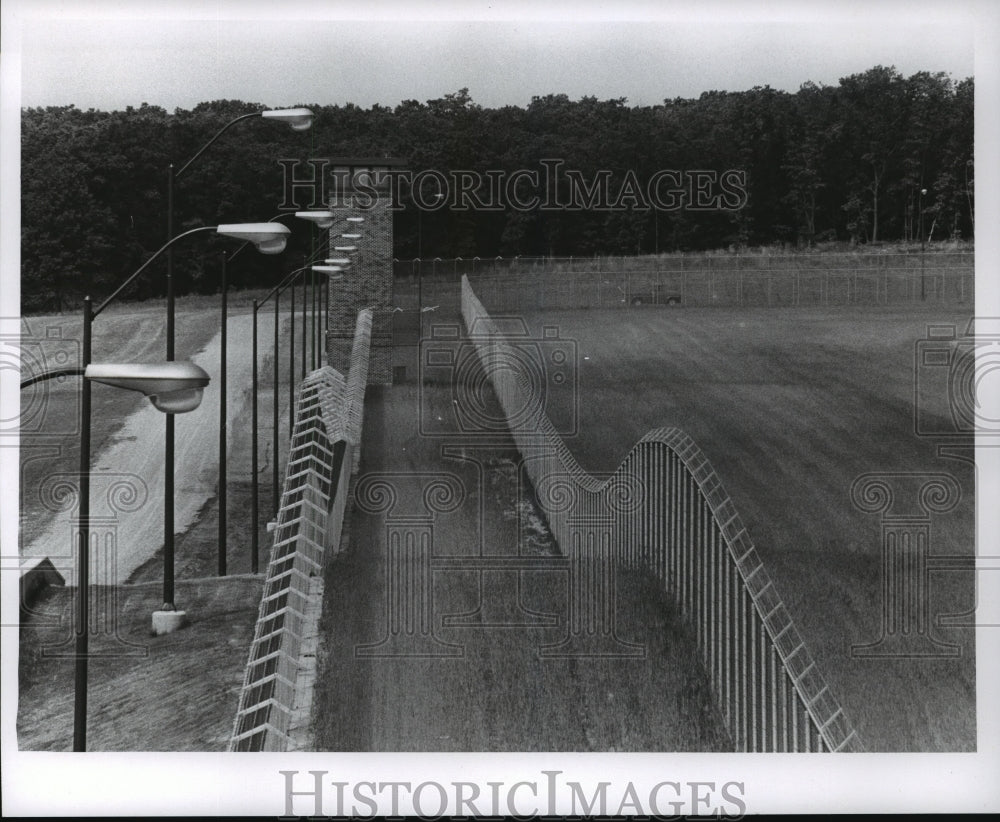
(172, 387)
(269, 238)
(275, 292)
(223, 489)
(323, 220)
(334, 269)
(298, 119)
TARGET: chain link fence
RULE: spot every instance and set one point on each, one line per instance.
(510, 284)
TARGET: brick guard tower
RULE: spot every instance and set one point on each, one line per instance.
(369, 281)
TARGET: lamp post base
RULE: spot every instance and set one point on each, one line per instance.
(166, 622)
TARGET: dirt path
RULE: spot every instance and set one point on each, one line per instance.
(128, 481)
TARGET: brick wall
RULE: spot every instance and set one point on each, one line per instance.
(367, 284)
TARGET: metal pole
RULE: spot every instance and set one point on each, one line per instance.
(168, 476)
(168, 468)
(274, 411)
(312, 320)
(920, 224)
(291, 362)
(83, 558)
(324, 301)
(305, 323)
(254, 537)
(324, 318)
(923, 290)
(223, 445)
(420, 285)
(317, 290)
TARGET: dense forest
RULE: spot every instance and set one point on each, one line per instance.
(846, 163)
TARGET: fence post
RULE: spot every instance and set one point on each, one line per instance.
(592, 582)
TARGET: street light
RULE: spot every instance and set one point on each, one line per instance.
(298, 119)
(223, 409)
(317, 347)
(172, 387)
(334, 268)
(269, 238)
(322, 219)
(266, 239)
(275, 292)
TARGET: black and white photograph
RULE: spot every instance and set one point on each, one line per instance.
(484, 409)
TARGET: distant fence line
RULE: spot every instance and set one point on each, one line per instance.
(834, 278)
(665, 510)
(321, 460)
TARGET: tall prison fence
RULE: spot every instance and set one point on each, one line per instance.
(665, 510)
(820, 279)
(321, 460)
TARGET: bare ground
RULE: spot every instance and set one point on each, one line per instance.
(177, 692)
(493, 688)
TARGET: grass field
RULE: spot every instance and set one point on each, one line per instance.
(790, 406)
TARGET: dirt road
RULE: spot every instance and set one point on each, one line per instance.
(127, 483)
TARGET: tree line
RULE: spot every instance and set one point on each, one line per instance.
(878, 157)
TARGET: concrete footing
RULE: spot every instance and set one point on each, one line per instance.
(166, 622)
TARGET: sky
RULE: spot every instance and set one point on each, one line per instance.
(110, 54)
(312, 54)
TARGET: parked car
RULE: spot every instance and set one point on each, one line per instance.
(650, 294)
(656, 298)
